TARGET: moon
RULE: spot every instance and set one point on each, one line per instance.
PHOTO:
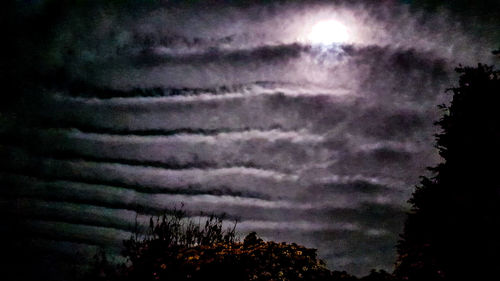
(328, 32)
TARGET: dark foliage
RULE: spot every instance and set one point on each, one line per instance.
(176, 248)
(380, 275)
(167, 237)
(452, 231)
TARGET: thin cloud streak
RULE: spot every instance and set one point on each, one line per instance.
(179, 151)
(122, 197)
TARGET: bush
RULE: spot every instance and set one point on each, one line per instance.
(167, 237)
(176, 248)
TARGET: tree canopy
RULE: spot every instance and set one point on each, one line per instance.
(452, 230)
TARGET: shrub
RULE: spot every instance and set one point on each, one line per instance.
(176, 248)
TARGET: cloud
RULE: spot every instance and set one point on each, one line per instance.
(229, 110)
(248, 148)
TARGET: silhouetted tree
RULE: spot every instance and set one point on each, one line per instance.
(452, 231)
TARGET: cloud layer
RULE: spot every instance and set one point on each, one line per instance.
(229, 110)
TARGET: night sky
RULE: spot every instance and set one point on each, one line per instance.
(308, 121)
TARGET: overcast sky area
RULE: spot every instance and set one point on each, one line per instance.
(302, 141)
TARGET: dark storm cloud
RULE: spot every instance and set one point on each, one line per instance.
(238, 180)
(76, 232)
(185, 150)
(125, 220)
(265, 54)
(152, 203)
(255, 109)
(230, 110)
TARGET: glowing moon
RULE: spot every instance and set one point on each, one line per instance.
(328, 32)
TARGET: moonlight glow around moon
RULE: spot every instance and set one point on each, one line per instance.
(328, 32)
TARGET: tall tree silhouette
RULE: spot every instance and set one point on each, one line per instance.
(452, 231)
